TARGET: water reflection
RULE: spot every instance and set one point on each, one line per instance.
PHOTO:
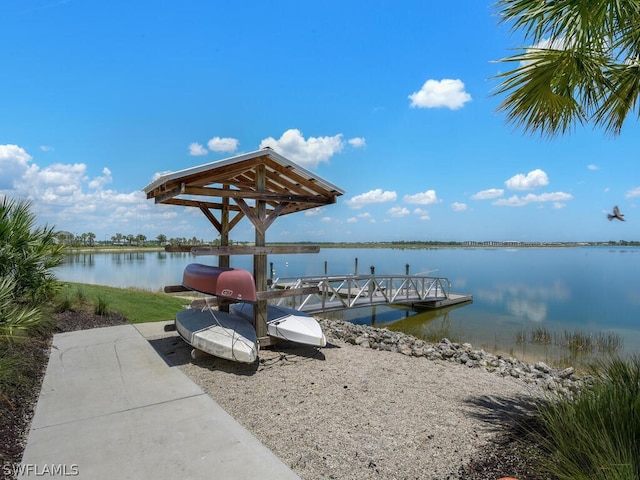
(431, 325)
(575, 289)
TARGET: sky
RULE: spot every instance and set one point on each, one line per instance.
(393, 102)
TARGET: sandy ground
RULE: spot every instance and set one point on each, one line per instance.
(347, 412)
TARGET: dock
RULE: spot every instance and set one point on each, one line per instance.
(330, 293)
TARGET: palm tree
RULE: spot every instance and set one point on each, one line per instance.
(17, 321)
(583, 67)
(27, 253)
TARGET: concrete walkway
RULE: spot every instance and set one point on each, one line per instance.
(111, 407)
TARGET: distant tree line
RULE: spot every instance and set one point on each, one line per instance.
(129, 240)
(88, 239)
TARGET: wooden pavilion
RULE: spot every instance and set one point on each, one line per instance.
(261, 186)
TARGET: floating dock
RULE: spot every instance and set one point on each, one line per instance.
(332, 293)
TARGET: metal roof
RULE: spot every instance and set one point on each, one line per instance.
(287, 185)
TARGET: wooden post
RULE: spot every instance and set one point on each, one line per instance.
(223, 260)
(260, 260)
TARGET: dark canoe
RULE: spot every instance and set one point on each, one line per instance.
(231, 283)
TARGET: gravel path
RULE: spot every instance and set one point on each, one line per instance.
(348, 412)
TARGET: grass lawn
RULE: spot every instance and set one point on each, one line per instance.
(138, 306)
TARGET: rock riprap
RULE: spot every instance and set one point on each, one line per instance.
(563, 381)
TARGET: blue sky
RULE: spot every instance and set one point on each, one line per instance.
(391, 101)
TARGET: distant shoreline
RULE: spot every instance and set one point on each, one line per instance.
(392, 245)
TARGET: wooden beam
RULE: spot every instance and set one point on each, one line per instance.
(268, 341)
(224, 260)
(252, 215)
(260, 259)
(254, 250)
(234, 221)
(266, 295)
(183, 202)
(243, 249)
(211, 217)
(284, 195)
(173, 192)
(176, 289)
(178, 248)
(273, 215)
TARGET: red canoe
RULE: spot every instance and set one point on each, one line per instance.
(231, 283)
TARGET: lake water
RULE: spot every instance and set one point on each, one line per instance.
(517, 293)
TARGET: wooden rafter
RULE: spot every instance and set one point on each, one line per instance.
(261, 186)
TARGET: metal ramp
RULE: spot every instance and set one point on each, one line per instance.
(349, 291)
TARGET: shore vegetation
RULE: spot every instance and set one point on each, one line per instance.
(595, 435)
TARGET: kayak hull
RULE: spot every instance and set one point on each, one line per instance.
(286, 323)
(218, 333)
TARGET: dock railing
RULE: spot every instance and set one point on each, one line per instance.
(340, 292)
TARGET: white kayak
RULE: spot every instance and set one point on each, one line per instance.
(286, 323)
(218, 333)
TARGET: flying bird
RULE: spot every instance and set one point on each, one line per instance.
(616, 214)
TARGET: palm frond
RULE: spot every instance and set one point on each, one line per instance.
(586, 75)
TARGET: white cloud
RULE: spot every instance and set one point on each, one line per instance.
(425, 198)
(532, 180)
(314, 212)
(99, 182)
(225, 145)
(422, 214)
(63, 195)
(398, 212)
(591, 166)
(308, 153)
(14, 153)
(444, 93)
(372, 196)
(14, 162)
(46, 148)
(634, 192)
(458, 206)
(59, 184)
(361, 216)
(516, 201)
(66, 197)
(197, 150)
(488, 194)
(357, 142)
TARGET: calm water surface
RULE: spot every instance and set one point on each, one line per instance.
(516, 291)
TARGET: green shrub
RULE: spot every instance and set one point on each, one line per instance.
(101, 306)
(595, 435)
(27, 253)
(81, 296)
(17, 321)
